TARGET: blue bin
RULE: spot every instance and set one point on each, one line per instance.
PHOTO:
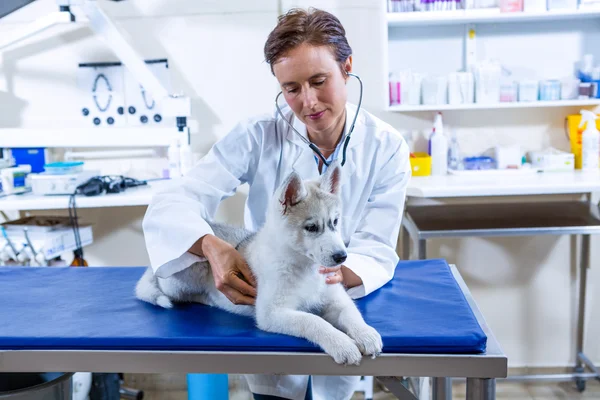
(36, 157)
(588, 79)
(208, 386)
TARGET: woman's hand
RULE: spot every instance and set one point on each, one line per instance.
(333, 274)
(231, 273)
(341, 274)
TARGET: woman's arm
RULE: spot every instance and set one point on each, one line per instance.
(175, 227)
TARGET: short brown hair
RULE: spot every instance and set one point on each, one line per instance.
(312, 26)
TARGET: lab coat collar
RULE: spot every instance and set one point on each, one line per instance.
(305, 164)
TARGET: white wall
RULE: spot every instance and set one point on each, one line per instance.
(525, 286)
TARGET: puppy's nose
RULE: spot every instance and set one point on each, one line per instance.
(339, 257)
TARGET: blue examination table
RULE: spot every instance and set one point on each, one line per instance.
(87, 319)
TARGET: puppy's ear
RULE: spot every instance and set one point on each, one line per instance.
(331, 181)
(293, 191)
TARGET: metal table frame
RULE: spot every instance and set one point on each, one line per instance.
(481, 370)
(419, 237)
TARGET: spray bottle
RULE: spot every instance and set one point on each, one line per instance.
(438, 148)
(590, 141)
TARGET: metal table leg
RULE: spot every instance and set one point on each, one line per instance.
(405, 243)
(481, 389)
(424, 381)
(442, 389)
(584, 263)
(422, 249)
(412, 241)
(424, 389)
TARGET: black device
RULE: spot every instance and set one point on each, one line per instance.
(94, 187)
(107, 183)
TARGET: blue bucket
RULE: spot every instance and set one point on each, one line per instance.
(208, 386)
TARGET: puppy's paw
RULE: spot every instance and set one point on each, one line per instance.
(368, 341)
(164, 302)
(344, 351)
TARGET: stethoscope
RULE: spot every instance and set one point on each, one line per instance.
(312, 145)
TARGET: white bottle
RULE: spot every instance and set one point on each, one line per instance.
(174, 157)
(590, 142)
(438, 148)
(186, 158)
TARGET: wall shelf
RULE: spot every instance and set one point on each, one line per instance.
(88, 137)
(136, 196)
(457, 17)
(544, 183)
(476, 106)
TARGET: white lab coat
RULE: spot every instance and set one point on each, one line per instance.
(263, 152)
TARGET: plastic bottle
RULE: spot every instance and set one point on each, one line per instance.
(590, 141)
(394, 89)
(186, 158)
(453, 152)
(173, 154)
(438, 148)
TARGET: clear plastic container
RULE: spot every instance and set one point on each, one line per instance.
(550, 90)
(63, 167)
(479, 163)
(509, 92)
(528, 90)
(511, 5)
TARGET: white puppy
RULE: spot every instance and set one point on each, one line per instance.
(301, 233)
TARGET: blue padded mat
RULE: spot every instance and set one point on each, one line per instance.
(422, 310)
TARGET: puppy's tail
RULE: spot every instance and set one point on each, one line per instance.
(147, 290)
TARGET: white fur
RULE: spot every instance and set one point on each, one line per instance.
(293, 297)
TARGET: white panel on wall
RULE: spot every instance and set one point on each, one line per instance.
(431, 50)
(530, 49)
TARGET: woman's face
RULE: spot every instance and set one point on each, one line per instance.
(314, 87)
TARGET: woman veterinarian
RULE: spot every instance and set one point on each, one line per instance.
(310, 57)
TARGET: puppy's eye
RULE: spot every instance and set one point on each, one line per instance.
(311, 228)
(335, 222)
